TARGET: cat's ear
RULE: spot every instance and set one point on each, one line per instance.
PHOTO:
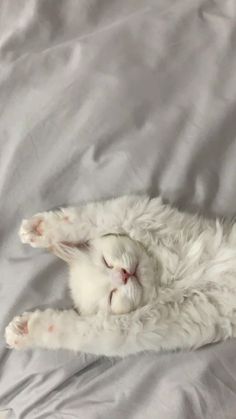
(69, 251)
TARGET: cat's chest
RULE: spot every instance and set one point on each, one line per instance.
(187, 261)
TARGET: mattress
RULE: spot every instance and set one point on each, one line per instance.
(101, 98)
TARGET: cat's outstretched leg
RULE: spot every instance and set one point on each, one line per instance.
(149, 328)
(54, 329)
(125, 215)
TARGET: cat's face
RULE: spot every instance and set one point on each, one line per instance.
(114, 274)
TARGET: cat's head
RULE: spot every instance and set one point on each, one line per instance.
(112, 274)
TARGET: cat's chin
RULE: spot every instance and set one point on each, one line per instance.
(128, 298)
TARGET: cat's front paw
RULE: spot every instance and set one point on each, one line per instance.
(38, 230)
(45, 228)
(18, 333)
(33, 329)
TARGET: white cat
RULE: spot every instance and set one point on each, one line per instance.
(143, 276)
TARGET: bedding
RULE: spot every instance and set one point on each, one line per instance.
(101, 98)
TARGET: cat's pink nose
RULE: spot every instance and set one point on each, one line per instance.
(125, 275)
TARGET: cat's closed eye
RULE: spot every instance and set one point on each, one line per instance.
(106, 263)
(111, 294)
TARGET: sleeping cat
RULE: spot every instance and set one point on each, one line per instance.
(143, 276)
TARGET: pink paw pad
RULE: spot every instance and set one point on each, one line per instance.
(39, 228)
(51, 328)
(25, 328)
(67, 219)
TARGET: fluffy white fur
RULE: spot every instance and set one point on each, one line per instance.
(143, 276)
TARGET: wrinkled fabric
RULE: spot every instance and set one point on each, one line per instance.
(98, 99)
